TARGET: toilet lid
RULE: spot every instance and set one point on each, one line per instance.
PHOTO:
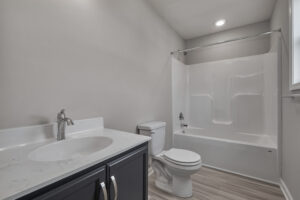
(182, 156)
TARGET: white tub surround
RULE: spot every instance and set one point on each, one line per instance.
(236, 95)
(231, 108)
(21, 175)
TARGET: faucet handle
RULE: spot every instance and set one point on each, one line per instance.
(181, 117)
(61, 114)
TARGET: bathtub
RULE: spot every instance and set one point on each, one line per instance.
(249, 155)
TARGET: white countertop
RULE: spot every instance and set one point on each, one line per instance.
(20, 176)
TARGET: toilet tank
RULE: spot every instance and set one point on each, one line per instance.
(157, 131)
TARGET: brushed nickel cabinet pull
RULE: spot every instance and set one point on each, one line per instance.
(103, 187)
(113, 179)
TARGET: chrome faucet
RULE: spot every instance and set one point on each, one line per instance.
(62, 120)
(181, 118)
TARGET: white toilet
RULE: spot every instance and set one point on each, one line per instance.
(173, 168)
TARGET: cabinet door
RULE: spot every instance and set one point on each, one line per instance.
(88, 187)
(128, 176)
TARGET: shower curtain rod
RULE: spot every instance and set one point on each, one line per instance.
(227, 41)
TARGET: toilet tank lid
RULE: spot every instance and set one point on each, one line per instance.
(149, 126)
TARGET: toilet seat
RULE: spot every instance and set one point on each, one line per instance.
(182, 157)
(183, 164)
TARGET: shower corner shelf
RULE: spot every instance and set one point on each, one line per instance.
(291, 96)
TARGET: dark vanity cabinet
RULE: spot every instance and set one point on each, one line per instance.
(123, 177)
(130, 173)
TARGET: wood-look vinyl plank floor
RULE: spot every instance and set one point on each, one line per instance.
(211, 184)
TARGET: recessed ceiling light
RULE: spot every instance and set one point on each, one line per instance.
(220, 22)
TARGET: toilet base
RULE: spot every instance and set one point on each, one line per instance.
(180, 186)
(172, 178)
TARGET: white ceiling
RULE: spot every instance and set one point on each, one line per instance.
(194, 18)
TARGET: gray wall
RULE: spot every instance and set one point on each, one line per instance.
(230, 50)
(290, 108)
(93, 57)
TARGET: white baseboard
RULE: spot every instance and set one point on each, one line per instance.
(285, 190)
(240, 174)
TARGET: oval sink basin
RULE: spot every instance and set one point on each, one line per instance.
(69, 149)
